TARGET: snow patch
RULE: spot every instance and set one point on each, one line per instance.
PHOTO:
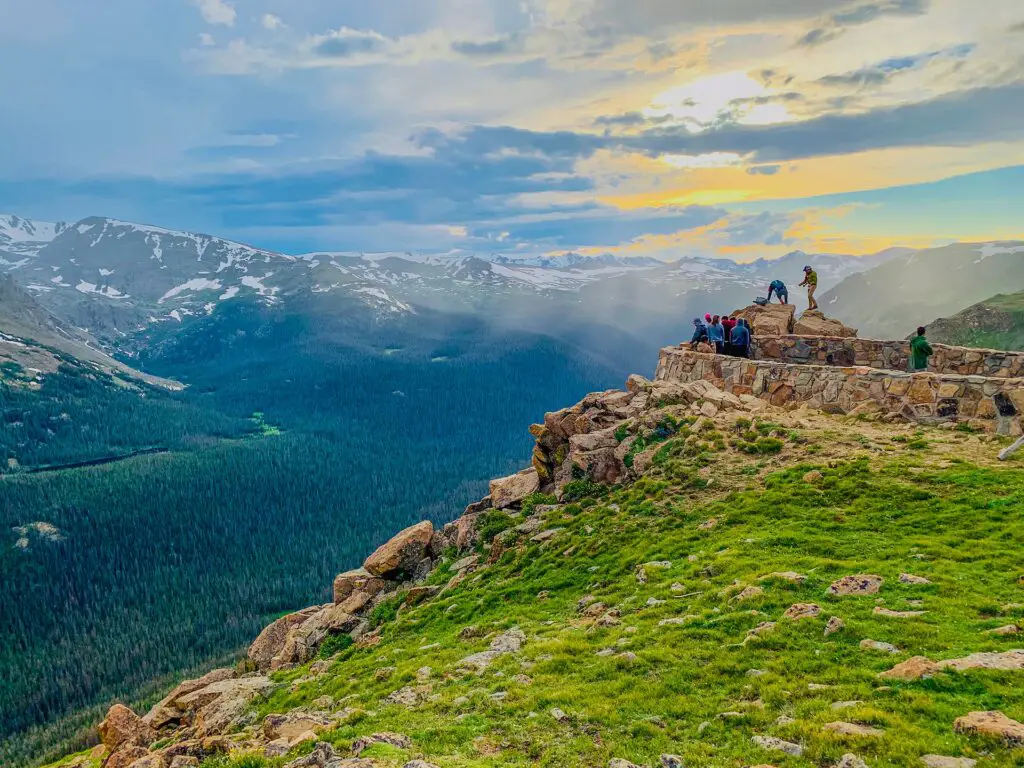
(110, 293)
(196, 284)
(256, 283)
(106, 272)
(230, 293)
(997, 249)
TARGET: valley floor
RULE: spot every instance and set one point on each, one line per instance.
(688, 613)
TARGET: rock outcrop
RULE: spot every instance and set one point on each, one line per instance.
(814, 323)
(769, 320)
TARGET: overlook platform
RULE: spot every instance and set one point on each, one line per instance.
(982, 388)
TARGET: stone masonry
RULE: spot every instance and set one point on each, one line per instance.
(886, 355)
(993, 403)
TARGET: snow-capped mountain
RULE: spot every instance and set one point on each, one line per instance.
(24, 238)
(118, 279)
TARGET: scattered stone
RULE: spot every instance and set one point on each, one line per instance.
(671, 761)
(547, 535)
(1009, 629)
(802, 611)
(559, 715)
(914, 668)
(819, 687)
(183, 761)
(707, 525)
(499, 695)
(627, 656)
(618, 762)
(654, 602)
(877, 645)
(126, 756)
(292, 725)
(676, 621)
(748, 594)
(406, 697)
(761, 629)
(814, 476)
(322, 755)
(419, 764)
(835, 624)
(677, 587)
(470, 632)
(941, 761)
(854, 729)
(354, 581)
(383, 673)
(523, 679)
(775, 744)
(423, 674)
(402, 553)
(756, 672)
(658, 564)
(889, 614)
(1006, 661)
(909, 578)
(123, 727)
(845, 704)
(858, 584)
(991, 724)
(791, 576)
(783, 720)
(850, 760)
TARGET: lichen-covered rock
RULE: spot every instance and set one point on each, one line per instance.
(510, 490)
(913, 668)
(858, 584)
(123, 727)
(356, 580)
(770, 320)
(814, 323)
(272, 639)
(166, 711)
(402, 553)
(994, 724)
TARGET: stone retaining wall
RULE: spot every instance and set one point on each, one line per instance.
(886, 355)
(994, 404)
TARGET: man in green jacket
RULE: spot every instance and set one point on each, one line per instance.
(920, 351)
(811, 281)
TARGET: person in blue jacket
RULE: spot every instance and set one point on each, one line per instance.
(779, 289)
(740, 339)
(716, 334)
(700, 332)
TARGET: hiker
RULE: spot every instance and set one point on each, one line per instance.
(811, 281)
(920, 351)
(779, 289)
(700, 332)
(728, 323)
(716, 335)
(707, 319)
(740, 339)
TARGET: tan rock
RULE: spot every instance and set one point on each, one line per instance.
(913, 668)
(184, 761)
(166, 712)
(791, 576)
(802, 611)
(909, 578)
(402, 553)
(294, 724)
(858, 584)
(125, 756)
(272, 639)
(854, 729)
(771, 320)
(152, 760)
(356, 580)
(813, 477)
(890, 614)
(877, 645)
(1009, 629)
(814, 323)
(1006, 661)
(748, 593)
(835, 624)
(510, 490)
(941, 761)
(123, 727)
(991, 724)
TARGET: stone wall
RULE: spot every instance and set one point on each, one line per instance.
(887, 355)
(994, 404)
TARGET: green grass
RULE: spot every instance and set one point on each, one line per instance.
(957, 523)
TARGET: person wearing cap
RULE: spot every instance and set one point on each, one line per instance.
(811, 281)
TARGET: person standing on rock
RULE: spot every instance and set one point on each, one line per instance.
(920, 351)
(716, 334)
(740, 339)
(811, 281)
(779, 289)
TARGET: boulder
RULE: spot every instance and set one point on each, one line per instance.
(357, 580)
(295, 724)
(123, 727)
(126, 756)
(510, 490)
(770, 320)
(402, 553)
(858, 584)
(913, 668)
(1006, 661)
(166, 711)
(814, 323)
(217, 705)
(991, 724)
(273, 637)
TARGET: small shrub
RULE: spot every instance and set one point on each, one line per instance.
(386, 611)
(335, 644)
(492, 523)
(536, 500)
(579, 489)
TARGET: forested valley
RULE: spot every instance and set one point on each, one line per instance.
(300, 443)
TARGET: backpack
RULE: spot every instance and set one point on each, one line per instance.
(761, 301)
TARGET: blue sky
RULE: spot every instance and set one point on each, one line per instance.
(650, 127)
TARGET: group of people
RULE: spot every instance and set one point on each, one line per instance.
(723, 334)
(779, 290)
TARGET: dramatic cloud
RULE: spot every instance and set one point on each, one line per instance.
(270, 21)
(885, 70)
(863, 13)
(346, 42)
(216, 11)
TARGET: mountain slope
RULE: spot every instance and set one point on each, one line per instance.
(891, 300)
(707, 610)
(996, 323)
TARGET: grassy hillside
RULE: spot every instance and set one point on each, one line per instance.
(681, 661)
(996, 323)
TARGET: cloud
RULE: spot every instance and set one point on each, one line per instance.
(495, 46)
(764, 170)
(216, 11)
(885, 70)
(271, 22)
(864, 13)
(345, 42)
(206, 39)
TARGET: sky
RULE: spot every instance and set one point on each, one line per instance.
(667, 128)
